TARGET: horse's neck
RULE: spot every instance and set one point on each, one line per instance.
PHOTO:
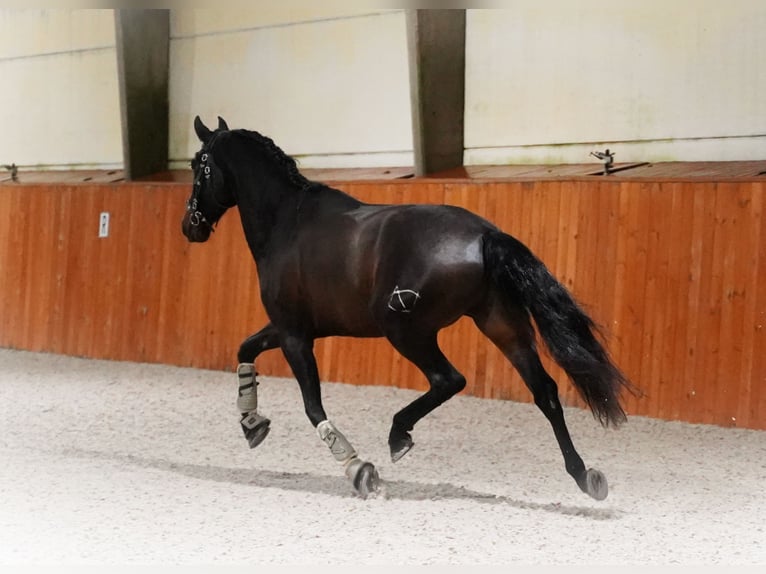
(273, 218)
(266, 211)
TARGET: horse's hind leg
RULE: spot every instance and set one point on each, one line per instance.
(514, 335)
(444, 380)
(254, 426)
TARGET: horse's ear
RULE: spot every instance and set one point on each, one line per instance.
(203, 133)
(222, 124)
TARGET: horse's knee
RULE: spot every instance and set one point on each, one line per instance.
(247, 351)
(449, 385)
(255, 344)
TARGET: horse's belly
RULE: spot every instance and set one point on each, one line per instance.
(335, 315)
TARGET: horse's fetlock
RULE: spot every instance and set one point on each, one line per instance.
(400, 426)
(338, 444)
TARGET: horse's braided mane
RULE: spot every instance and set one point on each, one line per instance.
(284, 161)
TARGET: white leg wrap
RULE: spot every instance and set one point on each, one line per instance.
(339, 446)
(247, 399)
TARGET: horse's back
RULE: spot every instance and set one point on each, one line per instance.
(421, 239)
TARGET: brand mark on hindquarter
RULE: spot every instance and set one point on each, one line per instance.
(403, 300)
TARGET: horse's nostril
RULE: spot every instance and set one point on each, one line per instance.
(195, 233)
(201, 234)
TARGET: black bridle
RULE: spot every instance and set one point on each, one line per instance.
(203, 172)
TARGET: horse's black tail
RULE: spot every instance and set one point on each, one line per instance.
(568, 332)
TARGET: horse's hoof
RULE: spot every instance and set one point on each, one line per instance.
(255, 427)
(364, 477)
(595, 484)
(401, 447)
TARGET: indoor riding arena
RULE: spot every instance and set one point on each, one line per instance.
(624, 146)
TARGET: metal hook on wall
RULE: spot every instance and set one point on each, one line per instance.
(14, 171)
(607, 157)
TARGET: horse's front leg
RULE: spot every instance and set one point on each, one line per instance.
(300, 356)
(254, 426)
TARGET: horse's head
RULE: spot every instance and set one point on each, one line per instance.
(210, 197)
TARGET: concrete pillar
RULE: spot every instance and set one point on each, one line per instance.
(436, 44)
(143, 40)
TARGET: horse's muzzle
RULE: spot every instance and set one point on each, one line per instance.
(197, 232)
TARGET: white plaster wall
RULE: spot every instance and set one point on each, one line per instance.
(330, 86)
(653, 80)
(546, 82)
(59, 97)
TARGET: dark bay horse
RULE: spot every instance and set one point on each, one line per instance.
(330, 265)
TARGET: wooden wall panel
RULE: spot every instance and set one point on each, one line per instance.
(674, 272)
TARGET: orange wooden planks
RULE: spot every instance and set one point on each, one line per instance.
(674, 269)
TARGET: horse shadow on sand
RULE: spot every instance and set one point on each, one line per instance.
(339, 486)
